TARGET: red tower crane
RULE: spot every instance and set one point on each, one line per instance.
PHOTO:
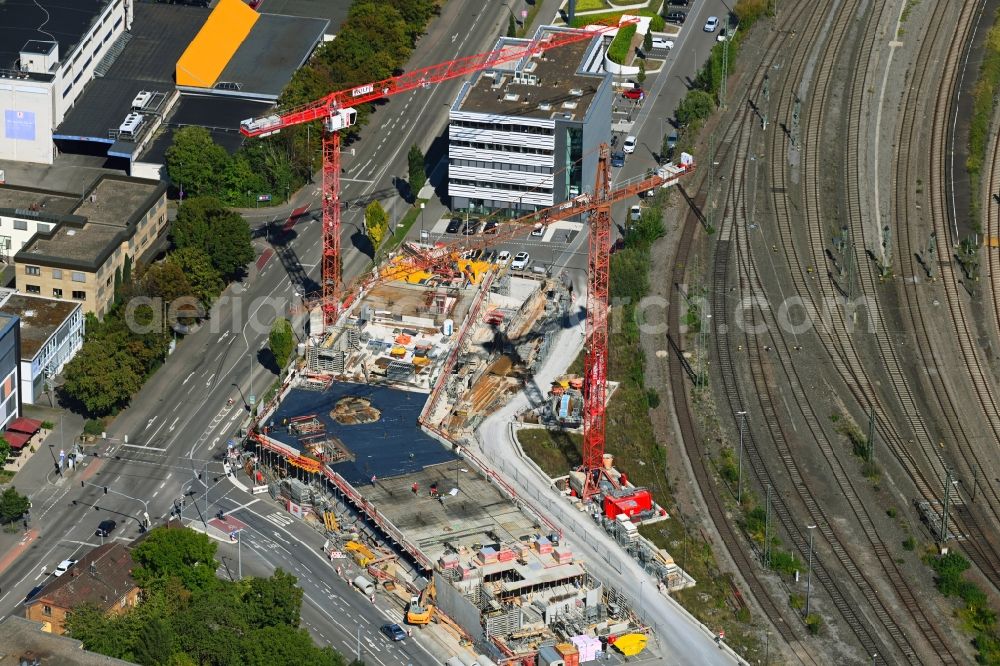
(337, 112)
(598, 205)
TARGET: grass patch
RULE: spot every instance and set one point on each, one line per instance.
(6, 476)
(555, 451)
(403, 228)
(621, 45)
(590, 5)
(977, 618)
(982, 114)
(656, 23)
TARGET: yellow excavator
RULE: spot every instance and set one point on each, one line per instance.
(420, 609)
(361, 553)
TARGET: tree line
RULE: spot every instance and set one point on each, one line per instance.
(211, 246)
(374, 43)
(187, 615)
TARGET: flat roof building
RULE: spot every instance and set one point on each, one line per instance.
(51, 332)
(77, 258)
(524, 135)
(25, 641)
(49, 52)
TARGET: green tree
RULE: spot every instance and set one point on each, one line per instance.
(127, 270)
(641, 76)
(13, 505)
(273, 601)
(206, 284)
(696, 105)
(4, 451)
(647, 41)
(376, 223)
(229, 244)
(281, 340)
(191, 227)
(156, 643)
(418, 175)
(165, 280)
(103, 375)
(195, 162)
(180, 552)
(511, 27)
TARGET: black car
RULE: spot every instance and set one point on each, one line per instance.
(470, 228)
(618, 159)
(33, 593)
(492, 226)
(106, 528)
(680, 3)
(675, 17)
(454, 225)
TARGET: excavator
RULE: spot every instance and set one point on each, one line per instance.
(420, 609)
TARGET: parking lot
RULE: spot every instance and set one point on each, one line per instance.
(548, 253)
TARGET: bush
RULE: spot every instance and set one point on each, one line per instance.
(784, 562)
(93, 427)
(656, 23)
(696, 106)
(48, 425)
(814, 623)
(909, 543)
(621, 45)
(653, 398)
(750, 11)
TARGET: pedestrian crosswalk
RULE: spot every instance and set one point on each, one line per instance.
(280, 519)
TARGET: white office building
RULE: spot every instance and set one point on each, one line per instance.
(524, 135)
(49, 52)
(51, 332)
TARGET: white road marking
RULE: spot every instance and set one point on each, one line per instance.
(174, 424)
(188, 377)
(149, 422)
(141, 446)
(209, 382)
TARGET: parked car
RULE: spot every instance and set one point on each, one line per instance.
(635, 212)
(454, 225)
(520, 261)
(680, 3)
(393, 632)
(539, 230)
(503, 258)
(712, 24)
(723, 34)
(470, 228)
(629, 146)
(634, 93)
(662, 44)
(618, 159)
(33, 593)
(492, 226)
(106, 528)
(490, 257)
(63, 567)
(675, 17)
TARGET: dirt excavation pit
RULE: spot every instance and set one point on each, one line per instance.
(354, 411)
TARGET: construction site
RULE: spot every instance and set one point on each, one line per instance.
(404, 363)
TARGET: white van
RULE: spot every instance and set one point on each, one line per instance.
(662, 44)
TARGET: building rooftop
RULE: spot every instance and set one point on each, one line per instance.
(22, 21)
(40, 319)
(269, 56)
(105, 217)
(561, 88)
(20, 637)
(43, 202)
(101, 578)
(160, 33)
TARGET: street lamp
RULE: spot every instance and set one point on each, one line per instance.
(739, 478)
(55, 463)
(422, 206)
(810, 570)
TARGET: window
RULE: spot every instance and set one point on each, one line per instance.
(43, 227)
(33, 289)
(77, 276)
(80, 295)
(108, 283)
(47, 610)
(57, 274)
(56, 292)
(32, 270)
(20, 225)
